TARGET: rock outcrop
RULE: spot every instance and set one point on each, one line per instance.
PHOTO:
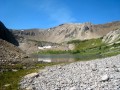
(112, 37)
(7, 35)
(10, 54)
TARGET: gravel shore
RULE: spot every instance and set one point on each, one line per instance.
(99, 74)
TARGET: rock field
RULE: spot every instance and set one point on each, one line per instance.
(100, 74)
(10, 55)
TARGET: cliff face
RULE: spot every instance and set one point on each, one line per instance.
(7, 35)
(67, 32)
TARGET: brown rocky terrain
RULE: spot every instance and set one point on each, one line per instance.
(31, 46)
(10, 55)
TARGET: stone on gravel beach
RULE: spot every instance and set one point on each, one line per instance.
(99, 74)
(105, 77)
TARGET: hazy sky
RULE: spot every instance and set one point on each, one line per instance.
(23, 14)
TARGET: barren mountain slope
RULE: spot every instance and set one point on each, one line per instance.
(9, 55)
(67, 32)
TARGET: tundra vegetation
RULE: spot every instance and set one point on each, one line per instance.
(93, 48)
(10, 80)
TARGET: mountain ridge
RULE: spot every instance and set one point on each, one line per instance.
(7, 35)
(69, 31)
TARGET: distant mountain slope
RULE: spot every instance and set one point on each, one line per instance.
(67, 32)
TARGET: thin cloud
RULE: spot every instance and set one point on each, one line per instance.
(57, 11)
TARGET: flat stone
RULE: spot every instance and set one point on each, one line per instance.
(31, 75)
(105, 77)
(7, 85)
(73, 88)
(28, 88)
(14, 70)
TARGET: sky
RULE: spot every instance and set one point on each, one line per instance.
(26, 14)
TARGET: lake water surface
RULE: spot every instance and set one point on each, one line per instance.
(62, 57)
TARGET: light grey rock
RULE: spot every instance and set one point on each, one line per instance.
(73, 88)
(7, 85)
(31, 75)
(14, 70)
(104, 77)
(112, 37)
(28, 88)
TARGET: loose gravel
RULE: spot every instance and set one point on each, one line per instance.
(99, 74)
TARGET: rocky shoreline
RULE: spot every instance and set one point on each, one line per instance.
(100, 74)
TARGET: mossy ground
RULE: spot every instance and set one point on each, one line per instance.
(89, 49)
(13, 78)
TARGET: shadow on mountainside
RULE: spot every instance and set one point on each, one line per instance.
(5, 34)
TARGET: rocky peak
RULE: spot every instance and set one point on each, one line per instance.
(7, 35)
(2, 26)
